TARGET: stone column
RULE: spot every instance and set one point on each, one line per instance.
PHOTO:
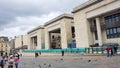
(38, 41)
(99, 31)
(66, 33)
(47, 40)
(29, 43)
(33, 46)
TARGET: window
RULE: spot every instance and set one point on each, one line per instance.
(113, 33)
(5, 49)
(117, 17)
(114, 30)
(109, 19)
(106, 19)
(118, 30)
(107, 32)
(112, 18)
(53, 37)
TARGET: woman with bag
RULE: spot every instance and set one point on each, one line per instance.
(16, 59)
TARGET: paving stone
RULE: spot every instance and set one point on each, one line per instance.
(70, 62)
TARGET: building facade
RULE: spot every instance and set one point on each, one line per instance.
(4, 45)
(97, 21)
(36, 38)
(93, 22)
(21, 42)
(58, 32)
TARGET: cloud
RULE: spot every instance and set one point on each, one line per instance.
(25, 24)
(19, 16)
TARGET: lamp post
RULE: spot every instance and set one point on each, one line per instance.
(21, 42)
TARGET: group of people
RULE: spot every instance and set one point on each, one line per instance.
(111, 50)
(10, 61)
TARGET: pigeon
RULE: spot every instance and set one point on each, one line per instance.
(89, 60)
(49, 65)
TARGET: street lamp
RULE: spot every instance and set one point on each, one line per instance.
(22, 41)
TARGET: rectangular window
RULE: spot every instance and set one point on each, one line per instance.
(110, 19)
(118, 30)
(107, 32)
(106, 19)
(111, 31)
(113, 18)
(114, 30)
(117, 17)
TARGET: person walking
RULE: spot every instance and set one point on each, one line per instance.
(115, 48)
(108, 51)
(2, 62)
(16, 60)
(10, 61)
(62, 53)
(17, 55)
(112, 51)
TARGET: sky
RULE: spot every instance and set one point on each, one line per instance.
(17, 17)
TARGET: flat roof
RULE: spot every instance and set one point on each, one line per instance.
(34, 29)
(85, 5)
(65, 15)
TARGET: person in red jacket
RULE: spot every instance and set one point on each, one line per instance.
(108, 51)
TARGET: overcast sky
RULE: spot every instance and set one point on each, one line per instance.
(17, 17)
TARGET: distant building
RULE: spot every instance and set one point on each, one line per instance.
(21, 42)
(4, 45)
(11, 45)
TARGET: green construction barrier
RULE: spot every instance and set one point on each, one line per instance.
(77, 50)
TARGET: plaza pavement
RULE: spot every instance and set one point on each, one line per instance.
(70, 62)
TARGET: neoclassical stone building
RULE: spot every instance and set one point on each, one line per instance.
(97, 21)
(58, 32)
(36, 38)
(4, 45)
(93, 22)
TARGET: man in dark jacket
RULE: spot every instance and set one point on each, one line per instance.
(2, 62)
